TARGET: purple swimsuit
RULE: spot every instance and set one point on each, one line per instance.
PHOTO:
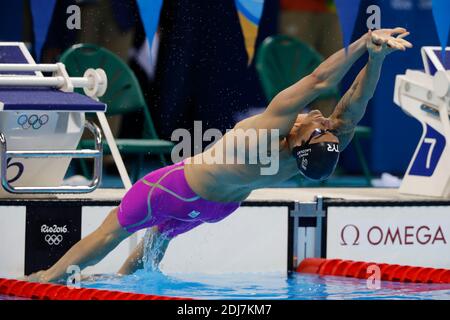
(164, 199)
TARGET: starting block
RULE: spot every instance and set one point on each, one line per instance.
(425, 95)
(42, 121)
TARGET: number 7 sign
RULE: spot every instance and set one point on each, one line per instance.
(429, 154)
(432, 143)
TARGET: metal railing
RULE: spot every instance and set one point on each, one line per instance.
(96, 154)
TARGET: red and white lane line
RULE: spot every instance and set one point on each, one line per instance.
(388, 272)
(41, 291)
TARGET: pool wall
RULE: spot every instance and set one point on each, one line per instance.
(34, 234)
(273, 231)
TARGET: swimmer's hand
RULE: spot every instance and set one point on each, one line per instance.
(37, 277)
(101, 277)
(42, 277)
(381, 43)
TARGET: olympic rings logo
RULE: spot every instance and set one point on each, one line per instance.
(33, 121)
(53, 239)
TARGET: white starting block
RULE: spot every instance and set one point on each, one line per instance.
(426, 97)
(42, 121)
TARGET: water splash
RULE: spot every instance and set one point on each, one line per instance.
(154, 249)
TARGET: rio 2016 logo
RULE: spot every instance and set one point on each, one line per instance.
(53, 234)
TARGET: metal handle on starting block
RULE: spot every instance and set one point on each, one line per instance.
(94, 81)
(96, 154)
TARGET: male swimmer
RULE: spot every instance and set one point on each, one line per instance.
(177, 198)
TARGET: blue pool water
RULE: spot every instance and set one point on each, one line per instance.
(266, 286)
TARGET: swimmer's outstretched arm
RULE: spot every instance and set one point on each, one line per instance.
(88, 251)
(351, 108)
(285, 107)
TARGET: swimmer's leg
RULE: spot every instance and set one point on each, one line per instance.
(88, 251)
(158, 244)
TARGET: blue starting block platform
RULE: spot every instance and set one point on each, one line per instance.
(41, 123)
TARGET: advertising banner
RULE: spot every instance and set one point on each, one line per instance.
(416, 236)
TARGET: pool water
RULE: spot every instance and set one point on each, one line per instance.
(292, 286)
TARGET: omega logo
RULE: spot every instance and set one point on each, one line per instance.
(405, 235)
(355, 237)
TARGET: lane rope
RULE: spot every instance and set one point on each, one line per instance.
(359, 269)
(46, 291)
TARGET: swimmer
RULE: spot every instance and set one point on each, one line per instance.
(177, 198)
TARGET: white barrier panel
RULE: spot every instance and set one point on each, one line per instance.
(12, 242)
(417, 236)
(253, 239)
(34, 236)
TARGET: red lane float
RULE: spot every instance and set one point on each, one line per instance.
(388, 272)
(44, 291)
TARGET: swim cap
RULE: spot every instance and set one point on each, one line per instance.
(317, 161)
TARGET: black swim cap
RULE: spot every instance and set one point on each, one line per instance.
(317, 161)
